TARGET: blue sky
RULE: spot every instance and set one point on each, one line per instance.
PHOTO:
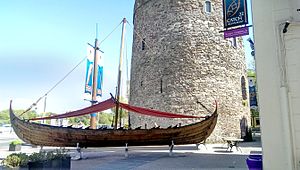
(249, 58)
(41, 41)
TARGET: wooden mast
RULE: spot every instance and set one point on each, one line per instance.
(120, 73)
(93, 120)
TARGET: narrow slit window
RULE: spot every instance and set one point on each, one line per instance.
(244, 89)
(208, 6)
(161, 86)
(143, 44)
(234, 43)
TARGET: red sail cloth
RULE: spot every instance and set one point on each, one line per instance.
(110, 103)
(107, 104)
(157, 113)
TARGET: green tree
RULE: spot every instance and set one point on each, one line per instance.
(4, 115)
(105, 118)
(254, 112)
(85, 119)
(123, 114)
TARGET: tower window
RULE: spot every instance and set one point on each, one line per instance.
(143, 44)
(208, 6)
(244, 89)
(161, 85)
(234, 44)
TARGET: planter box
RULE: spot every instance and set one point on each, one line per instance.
(254, 162)
(62, 164)
(14, 147)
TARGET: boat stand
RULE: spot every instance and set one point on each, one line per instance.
(201, 143)
(41, 148)
(77, 157)
(171, 148)
(126, 150)
(79, 151)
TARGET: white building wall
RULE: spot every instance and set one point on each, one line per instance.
(278, 98)
(292, 53)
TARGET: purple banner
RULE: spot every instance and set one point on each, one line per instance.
(236, 32)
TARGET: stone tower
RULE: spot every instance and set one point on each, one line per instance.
(180, 58)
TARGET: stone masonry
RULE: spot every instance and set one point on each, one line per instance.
(180, 58)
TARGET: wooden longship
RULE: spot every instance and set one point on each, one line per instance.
(46, 135)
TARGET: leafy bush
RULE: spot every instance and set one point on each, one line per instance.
(21, 159)
(50, 155)
(16, 160)
(16, 142)
(254, 113)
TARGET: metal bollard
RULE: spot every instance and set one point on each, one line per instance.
(171, 148)
(126, 150)
(79, 151)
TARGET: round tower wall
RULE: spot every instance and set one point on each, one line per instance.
(180, 59)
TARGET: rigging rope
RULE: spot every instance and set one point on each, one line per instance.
(127, 75)
(140, 37)
(110, 33)
(35, 103)
(38, 100)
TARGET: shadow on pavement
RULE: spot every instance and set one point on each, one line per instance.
(158, 160)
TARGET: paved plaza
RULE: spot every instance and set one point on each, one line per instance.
(211, 156)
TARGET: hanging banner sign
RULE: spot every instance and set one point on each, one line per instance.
(252, 47)
(252, 93)
(90, 72)
(99, 81)
(236, 32)
(235, 13)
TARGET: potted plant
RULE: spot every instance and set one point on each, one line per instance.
(16, 160)
(58, 159)
(15, 145)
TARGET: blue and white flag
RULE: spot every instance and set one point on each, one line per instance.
(251, 43)
(89, 76)
(252, 93)
(90, 72)
(99, 80)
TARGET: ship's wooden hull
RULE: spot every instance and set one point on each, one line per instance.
(46, 135)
